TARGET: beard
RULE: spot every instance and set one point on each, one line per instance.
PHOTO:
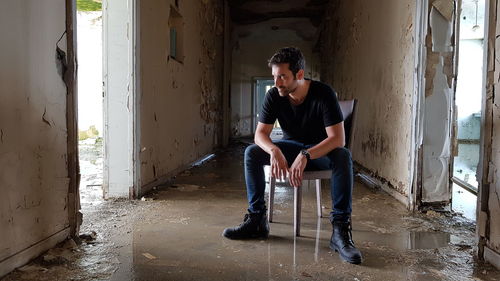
(285, 91)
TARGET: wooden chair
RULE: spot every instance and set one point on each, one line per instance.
(348, 108)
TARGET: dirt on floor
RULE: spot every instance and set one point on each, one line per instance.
(174, 233)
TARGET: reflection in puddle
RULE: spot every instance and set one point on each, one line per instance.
(427, 240)
(400, 241)
(406, 240)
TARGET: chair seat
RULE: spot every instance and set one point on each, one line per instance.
(308, 175)
(314, 175)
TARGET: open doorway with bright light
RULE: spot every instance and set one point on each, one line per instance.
(468, 96)
(107, 101)
(90, 100)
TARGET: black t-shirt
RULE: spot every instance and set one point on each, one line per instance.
(305, 122)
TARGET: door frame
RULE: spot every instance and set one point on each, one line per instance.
(255, 110)
(483, 219)
(136, 82)
(486, 153)
(71, 80)
(421, 78)
(420, 64)
(122, 166)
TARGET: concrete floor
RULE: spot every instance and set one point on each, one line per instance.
(175, 234)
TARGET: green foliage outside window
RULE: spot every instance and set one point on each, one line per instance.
(88, 5)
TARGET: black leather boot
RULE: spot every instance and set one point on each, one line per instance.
(253, 226)
(341, 242)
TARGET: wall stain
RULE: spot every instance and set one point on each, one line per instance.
(368, 56)
(376, 144)
(191, 90)
(211, 14)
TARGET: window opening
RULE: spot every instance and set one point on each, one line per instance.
(176, 35)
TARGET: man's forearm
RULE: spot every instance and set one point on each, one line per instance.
(324, 147)
(265, 142)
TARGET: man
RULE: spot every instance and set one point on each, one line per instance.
(313, 138)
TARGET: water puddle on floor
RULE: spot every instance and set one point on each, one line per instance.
(406, 240)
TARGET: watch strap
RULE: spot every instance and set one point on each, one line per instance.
(306, 154)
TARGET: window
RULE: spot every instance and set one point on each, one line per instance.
(176, 35)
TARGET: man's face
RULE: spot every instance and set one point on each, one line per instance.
(284, 79)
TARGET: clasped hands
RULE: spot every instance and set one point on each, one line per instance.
(280, 169)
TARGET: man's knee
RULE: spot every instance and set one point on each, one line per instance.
(340, 154)
(253, 151)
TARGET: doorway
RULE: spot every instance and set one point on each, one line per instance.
(468, 96)
(449, 91)
(260, 87)
(120, 101)
(90, 101)
(107, 99)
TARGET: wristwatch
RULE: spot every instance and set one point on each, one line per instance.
(306, 154)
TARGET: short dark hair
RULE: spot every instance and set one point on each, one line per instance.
(291, 55)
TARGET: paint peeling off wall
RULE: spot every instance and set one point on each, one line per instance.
(33, 132)
(367, 51)
(180, 98)
(492, 134)
(437, 104)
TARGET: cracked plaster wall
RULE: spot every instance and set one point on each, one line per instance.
(253, 45)
(493, 123)
(33, 133)
(439, 89)
(367, 51)
(180, 102)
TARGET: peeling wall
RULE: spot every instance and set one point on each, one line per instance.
(180, 101)
(489, 197)
(33, 131)
(252, 46)
(367, 51)
(439, 88)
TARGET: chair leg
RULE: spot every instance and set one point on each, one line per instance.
(272, 187)
(316, 248)
(318, 197)
(297, 206)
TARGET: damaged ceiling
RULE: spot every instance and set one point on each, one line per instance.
(269, 18)
(278, 29)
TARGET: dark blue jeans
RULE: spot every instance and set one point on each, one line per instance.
(339, 160)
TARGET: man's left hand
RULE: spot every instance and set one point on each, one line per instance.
(297, 170)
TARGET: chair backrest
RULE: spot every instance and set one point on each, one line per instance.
(348, 108)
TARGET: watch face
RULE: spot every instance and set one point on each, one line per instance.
(305, 153)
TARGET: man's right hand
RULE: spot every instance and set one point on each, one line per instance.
(279, 165)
